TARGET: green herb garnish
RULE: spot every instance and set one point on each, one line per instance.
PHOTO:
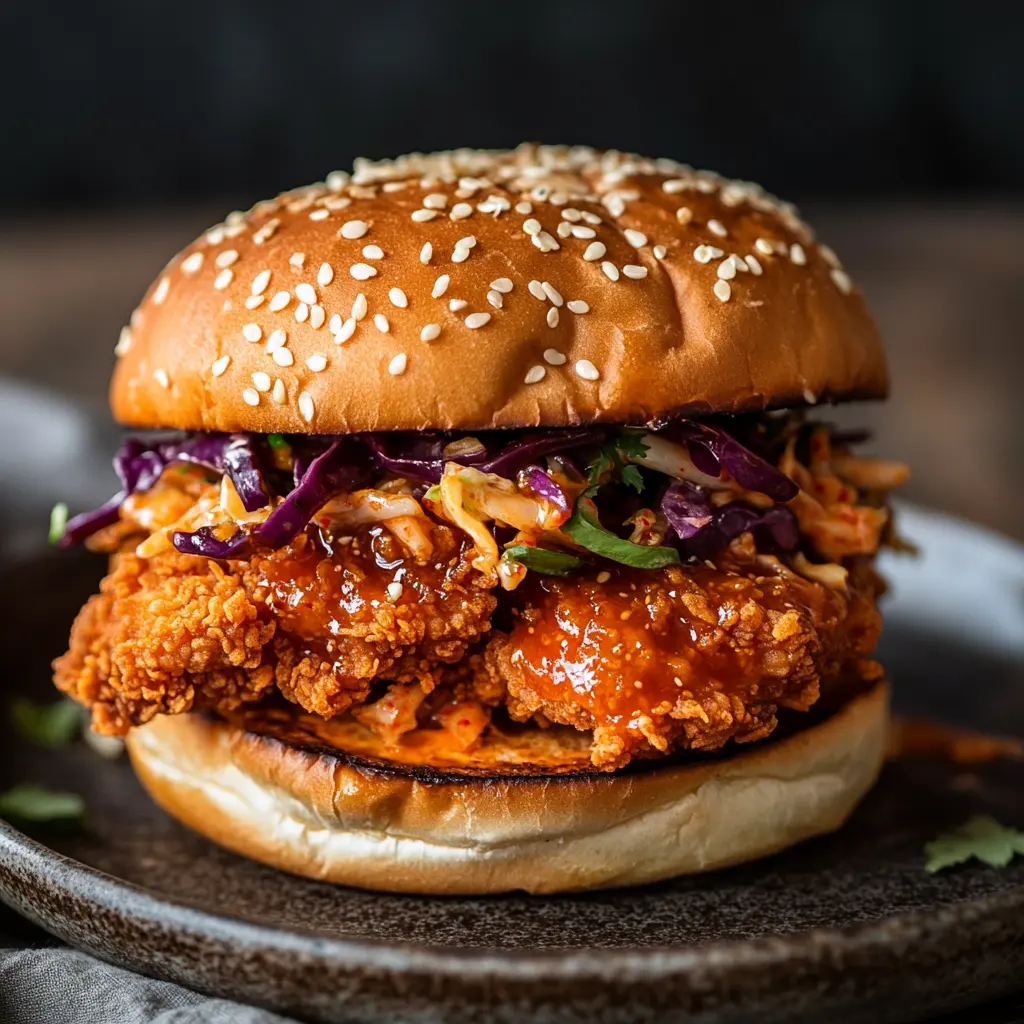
(981, 838)
(542, 560)
(48, 725)
(38, 804)
(58, 522)
(609, 460)
(277, 442)
(585, 528)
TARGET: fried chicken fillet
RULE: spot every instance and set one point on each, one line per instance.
(175, 632)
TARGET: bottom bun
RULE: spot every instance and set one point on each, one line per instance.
(329, 815)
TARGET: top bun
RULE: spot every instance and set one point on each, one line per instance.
(544, 286)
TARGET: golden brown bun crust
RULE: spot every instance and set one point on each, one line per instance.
(321, 816)
(792, 328)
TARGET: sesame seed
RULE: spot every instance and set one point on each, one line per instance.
(604, 576)
(278, 394)
(316, 317)
(301, 313)
(317, 362)
(124, 341)
(475, 320)
(524, 206)
(635, 238)
(684, 215)
(716, 227)
(582, 231)
(192, 263)
(590, 218)
(545, 242)
(430, 332)
(552, 316)
(279, 301)
(502, 284)
(397, 297)
(610, 271)
(353, 229)
(161, 290)
(261, 381)
(587, 370)
(253, 301)
(829, 256)
(440, 286)
(740, 262)
(554, 357)
(460, 255)
(564, 229)
(496, 299)
(797, 254)
(398, 364)
(727, 269)
(460, 211)
(468, 242)
(423, 215)
(251, 396)
(395, 591)
(260, 282)
(660, 252)
(577, 306)
(252, 332)
(535, 375)
(276, 340)
(763, 246)
(531, 226)
(380, 321)
(223, 279)
(220, 365)
(325, 275)
(536, 289)
(754, 266)
(160, 374)
(283, 356)
(362, 271)
(435, 201)
(373, 252)
(702, 254)
(426, 252)
(345, 331)
(595, 251)
(320, 214)
(552, 293)
(306, 407)
(359, 307)
(674, 185)
(571, 213)
(723, 290)
(841, 280)
(632, 270)
(456, 304)
(297, 260)
(226, 258)
(305, 293)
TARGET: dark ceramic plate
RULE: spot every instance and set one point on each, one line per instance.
(848, 927)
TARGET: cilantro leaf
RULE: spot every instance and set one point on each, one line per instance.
(48, 725)
(542, 560)
(631, 443)
(632, 477)
(38, 804)
(981, 838)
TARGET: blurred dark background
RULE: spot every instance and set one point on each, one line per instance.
(898, 127)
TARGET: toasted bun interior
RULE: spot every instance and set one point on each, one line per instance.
(544, 286)
(329, 817)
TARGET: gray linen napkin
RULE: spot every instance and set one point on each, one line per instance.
(62, 986)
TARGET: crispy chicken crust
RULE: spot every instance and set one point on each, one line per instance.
(176, 632)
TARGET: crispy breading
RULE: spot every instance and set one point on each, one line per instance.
(174, 632)
(688, 657)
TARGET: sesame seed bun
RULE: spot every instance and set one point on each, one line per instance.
(466, 290)
(543, 822)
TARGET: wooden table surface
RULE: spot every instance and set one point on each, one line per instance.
(946, 284)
